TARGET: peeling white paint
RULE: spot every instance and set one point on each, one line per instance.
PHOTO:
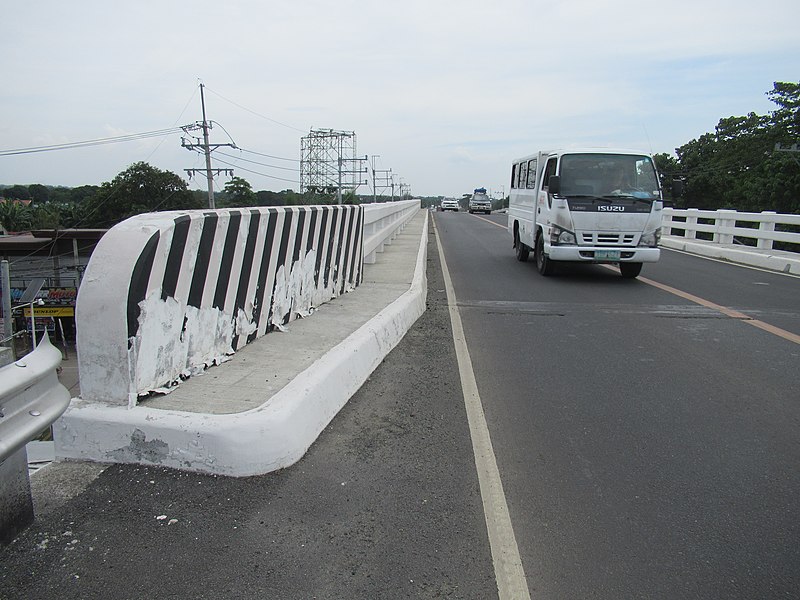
(176, 341)
(296, 294)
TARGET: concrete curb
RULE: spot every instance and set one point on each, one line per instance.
(273, 436)
(783, 262)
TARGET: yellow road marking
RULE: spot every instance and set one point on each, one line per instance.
(734, 314)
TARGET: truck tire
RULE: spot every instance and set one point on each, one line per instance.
(630, 270)
(522, 250)
(543, 263)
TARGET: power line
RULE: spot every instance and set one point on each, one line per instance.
(253, 112)
(256, 172)
(258, 163)
(267, 155)
(96, 142)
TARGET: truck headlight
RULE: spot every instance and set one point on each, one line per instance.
(650, 240)
(561, 237)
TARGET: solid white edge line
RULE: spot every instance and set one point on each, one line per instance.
(509, 574)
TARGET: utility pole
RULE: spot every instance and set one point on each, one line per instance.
(374, 183)
(207, 148)
(8, 321)
(353, 171)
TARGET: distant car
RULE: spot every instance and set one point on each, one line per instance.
(480, 203)
(450, 204)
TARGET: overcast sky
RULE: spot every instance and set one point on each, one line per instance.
(447, 93)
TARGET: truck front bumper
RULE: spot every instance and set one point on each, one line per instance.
(595, 254)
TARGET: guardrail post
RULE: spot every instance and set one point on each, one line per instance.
(724, 226)
(766, 226)
(16, 503)
(690, 232)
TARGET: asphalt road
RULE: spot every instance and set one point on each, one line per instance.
(648, 444)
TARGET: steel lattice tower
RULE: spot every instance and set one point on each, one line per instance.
(328, 161)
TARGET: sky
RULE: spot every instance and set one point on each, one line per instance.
(445, 94)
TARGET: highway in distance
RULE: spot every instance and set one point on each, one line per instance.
(645, 431)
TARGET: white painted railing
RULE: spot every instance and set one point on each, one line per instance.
(725, 225)
(382, 223)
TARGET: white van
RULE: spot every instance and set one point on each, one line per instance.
(586, 205)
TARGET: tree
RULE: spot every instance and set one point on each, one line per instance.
(667, 167)
(16, 192)
(738, 167)
(46, 216)
(139, 189)
(268, 198)
(14, 216)
(787, 117)
(39, 193)
(239, 193)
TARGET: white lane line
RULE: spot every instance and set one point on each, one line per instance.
(509, 574)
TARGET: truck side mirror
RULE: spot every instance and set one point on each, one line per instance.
(677, 188)
(554, 185)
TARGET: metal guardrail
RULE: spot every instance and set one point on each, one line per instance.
(31, 397)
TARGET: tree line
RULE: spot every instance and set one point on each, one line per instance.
(140, 188)
(749, 163)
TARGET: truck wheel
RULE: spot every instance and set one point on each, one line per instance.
(522, 250)
(543, 263)
(630, 270)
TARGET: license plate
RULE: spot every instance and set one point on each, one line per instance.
(606, 254)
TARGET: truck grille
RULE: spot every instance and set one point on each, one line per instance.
(608, 239)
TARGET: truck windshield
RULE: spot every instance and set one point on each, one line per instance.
(609, 176)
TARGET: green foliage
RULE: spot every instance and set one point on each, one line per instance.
(14, 216)
(238, 193)
(16, 192)
(139, 189)
(39, 193)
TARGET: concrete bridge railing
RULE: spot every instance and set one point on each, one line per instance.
(741, 237)
(723, 226)
(382, 222)
(168, 294)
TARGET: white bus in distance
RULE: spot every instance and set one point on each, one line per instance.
(586, 205)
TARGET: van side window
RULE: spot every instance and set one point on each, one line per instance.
(522, 175)
(513, 176)
(549, 169)
(531, 174)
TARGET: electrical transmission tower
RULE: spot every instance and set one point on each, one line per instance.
(206, 148)
(328, 162)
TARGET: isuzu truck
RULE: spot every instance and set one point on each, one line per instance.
(586, 205)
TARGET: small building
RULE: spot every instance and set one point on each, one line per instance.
(59, 257)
